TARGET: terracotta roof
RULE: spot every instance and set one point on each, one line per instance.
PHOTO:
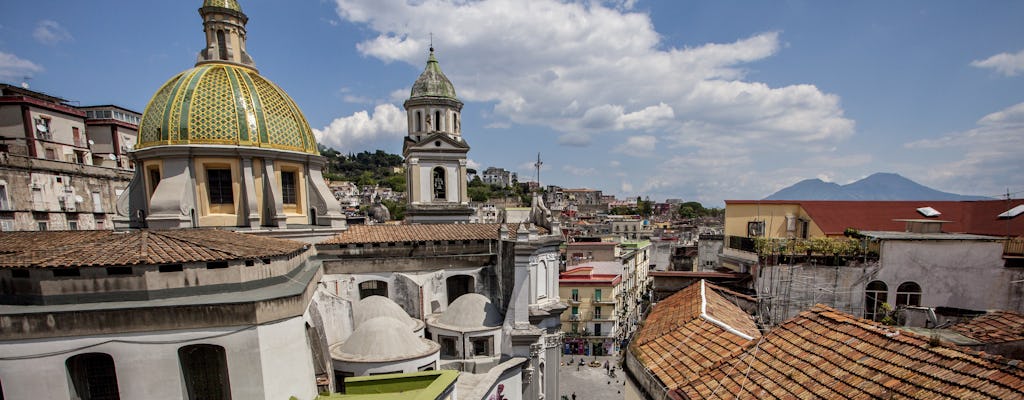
(96, 248)
(677, 343)
(420, 232)
(977, 217)
(824, 353)
(993, 327)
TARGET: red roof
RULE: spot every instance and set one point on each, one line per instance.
(975, 217)
(993, 327)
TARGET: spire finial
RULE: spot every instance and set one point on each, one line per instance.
(431, 42)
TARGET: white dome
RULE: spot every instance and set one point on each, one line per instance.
(380, 306)
(470, 312)
(383, 339)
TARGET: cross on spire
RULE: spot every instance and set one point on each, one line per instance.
(538, 164)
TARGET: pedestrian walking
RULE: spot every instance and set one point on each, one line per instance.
(606, 366)
(573, 395)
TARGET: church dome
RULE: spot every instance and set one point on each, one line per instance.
(224, 104)
(383, 339)
(432, 82)
(228, 4)
(470, 312)
(379, 306)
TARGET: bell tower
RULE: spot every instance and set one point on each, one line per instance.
(434, 150)
(224, 25)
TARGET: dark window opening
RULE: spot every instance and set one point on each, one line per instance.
(222, 45)
(419, 122)
(481, 346)
(908, 294)
(119, 270)
(93, 377)
(755, 228)
(373, 288)
(875, 294)
(219, 182)
(249, 263)
(459, 285)
(170, 268)
(66, 272)
(437, 120)
(205, 370)
(19, 273)
(154, 179)
(448, 346)
(439, 184)
(288, 193)
(339, 380)
(266, 260)
(216, 264)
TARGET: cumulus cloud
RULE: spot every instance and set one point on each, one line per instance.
(579, 171)
(50, 32)
(13, 68)
(638, 146)
(589, 68)
(987, 158)
(387, 123)
(1008, 64)
(470, 163)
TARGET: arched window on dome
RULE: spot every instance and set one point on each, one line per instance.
(437, 121)
(458, 285)
(222, 45)
(875, 294)
(419, 121)
(908, 294)
(439, 184)
(373, 288)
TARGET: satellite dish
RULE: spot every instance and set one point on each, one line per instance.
(112, 157)
(91, 142)
(42, 128)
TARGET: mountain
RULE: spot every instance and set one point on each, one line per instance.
(879, 186)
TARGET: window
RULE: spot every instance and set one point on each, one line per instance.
(439, 184)
(219, 182)
(288, 194)
(154, 178)
(119, 270)
(575, 327)
(597, 294)
(93, 377)
(908, 294)
(458, 285)
(170, 268)
(43, 128)
(97, 202)
(597, 329)
(216, 265)
(575, 295)
(597, 312)
(481, 346)
(5, 204)
(875, 294)
(73, 225)
(542, 280)
(419, 121)
(575, 311)
(755, 228)
(42, 226)
(222, 45)
(437, 121)
(448, 347)
(204, 368)
(373, 288)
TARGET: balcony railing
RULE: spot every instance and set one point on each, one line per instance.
(574, 317)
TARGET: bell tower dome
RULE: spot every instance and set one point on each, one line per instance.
(434, 150)
(224, 25)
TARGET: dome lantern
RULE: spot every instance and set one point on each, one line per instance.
(224, 25)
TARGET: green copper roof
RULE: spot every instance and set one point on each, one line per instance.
(432, 82)
(228, 4)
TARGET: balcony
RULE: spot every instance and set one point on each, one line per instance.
(604, 317)
(574, 317)
(1013, 247)
(573, 300)
(605, 300)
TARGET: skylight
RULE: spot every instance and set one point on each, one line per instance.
(929, 212)
(1013, 212)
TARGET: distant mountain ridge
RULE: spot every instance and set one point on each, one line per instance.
(878, 186)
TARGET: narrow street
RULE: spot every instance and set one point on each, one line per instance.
(590, 382)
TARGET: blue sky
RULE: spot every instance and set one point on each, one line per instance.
(669, 99)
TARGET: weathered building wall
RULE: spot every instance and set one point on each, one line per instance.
(786, 290)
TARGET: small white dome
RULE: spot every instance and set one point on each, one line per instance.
(380, 306)
(471, 312)
(383, 339)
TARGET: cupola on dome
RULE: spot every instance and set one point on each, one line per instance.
(432, 82)
(228, 4)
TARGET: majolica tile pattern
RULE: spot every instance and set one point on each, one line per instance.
(993, 327)
(105, 248)
(826, 354)
(224, 104)
(229, 4)
(677, 344)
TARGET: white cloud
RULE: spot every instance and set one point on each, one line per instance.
(585, 68)
(638, 146)
(388, 123)
(50, 32)
(1008, 64)
(13, 68)
(987, 159)
(579, 171)
(470, 163)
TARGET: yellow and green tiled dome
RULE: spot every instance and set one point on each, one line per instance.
(228, 4)
(224, 104)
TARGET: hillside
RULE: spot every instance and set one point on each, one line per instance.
(878, 186)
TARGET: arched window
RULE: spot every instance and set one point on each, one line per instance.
(542, 279)
(222, 45)
(458, 285)
(455, 122)
(93, 377)
(875, 294)
(437, 121)
(439, 184)
(908, 294)
(205, 370)
(373, 288)
(419, 121)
